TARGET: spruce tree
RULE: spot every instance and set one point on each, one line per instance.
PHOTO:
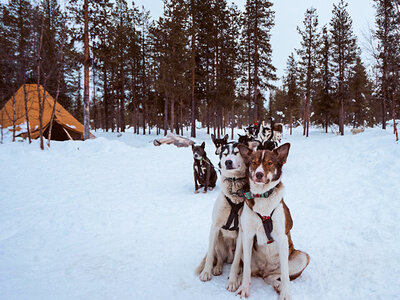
(258, 20)
(291, 82)
(388, 35)
(343, 54)
(308, 54)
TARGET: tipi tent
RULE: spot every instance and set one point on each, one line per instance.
(65, 126)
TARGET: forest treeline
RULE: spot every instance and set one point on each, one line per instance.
(202, 62)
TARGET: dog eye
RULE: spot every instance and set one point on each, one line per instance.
(269, 163)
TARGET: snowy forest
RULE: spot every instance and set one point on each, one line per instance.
(201, 60)
(199, 149)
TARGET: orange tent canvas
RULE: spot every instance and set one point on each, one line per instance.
(65, 126)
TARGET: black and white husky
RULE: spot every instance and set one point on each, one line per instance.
(227, 209)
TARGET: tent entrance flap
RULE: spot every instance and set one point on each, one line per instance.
(57, 133)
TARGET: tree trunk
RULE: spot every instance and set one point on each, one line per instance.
(28, 127)
(86, 111)
(106, 112)
(172, 115)
(165, 115)
(193, 46)
(291, 121)
(392, 106)
(14, 117)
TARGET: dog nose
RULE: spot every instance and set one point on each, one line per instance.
(259, 175)
(228, 163)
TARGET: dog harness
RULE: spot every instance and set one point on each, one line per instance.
(266, 220)
(233, 216)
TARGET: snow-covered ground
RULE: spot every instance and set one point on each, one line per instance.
(116, 218)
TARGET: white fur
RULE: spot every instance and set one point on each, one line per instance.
(251, 225)
(220, 215)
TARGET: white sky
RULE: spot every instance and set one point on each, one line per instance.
(289, 14)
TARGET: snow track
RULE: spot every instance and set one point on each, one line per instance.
(116, 218)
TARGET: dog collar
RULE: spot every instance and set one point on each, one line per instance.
(233, 179)
(250, 195)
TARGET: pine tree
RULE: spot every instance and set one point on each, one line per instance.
(343, 54)
(360, 93)
(258, 20)
(308, 54)
(323, 104)
(388, 32)
(291, 82)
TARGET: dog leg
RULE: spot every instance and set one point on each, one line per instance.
(207, 179)
(283, 249)
(244, 289)
(196, 187)
(234, 278)
(274, 281)
(205, 275)
(298, 261)
(217, 269)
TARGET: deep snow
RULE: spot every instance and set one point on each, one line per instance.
(116, 218)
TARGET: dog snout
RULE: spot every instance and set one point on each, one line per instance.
(259, 175)
(228, 164)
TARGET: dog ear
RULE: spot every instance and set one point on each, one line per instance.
(192, 147)
(213, 138)
(245, 152)
(203, 145)
(226, 138)
(282, 153)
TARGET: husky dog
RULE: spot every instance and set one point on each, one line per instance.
(227, 209)
(269, 136)
(219, 143)
(203, 170)
(264, 240)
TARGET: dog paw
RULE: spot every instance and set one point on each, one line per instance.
(205, 275)
(217, 270)
(276, 284)
(205, 192)
(244, 291)
(210, 188)
(284, 295)
(196, 191)
(233, 284)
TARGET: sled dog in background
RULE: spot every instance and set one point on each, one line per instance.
(204, 172)
(227, 209)
(264, 240)
(219, 143)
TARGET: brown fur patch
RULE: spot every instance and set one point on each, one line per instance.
(288, 217)
(250, 203)
(294, 276)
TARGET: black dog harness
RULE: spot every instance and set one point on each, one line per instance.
(266, 220)
(233, 216)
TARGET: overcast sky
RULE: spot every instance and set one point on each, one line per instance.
(289, 14)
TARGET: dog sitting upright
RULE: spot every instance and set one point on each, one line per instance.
(204, 172)
(226, 212)
(264, 239)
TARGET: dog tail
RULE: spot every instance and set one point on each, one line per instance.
(200, 268)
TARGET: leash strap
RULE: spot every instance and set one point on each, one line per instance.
(266, 220)
(268, 227)
(233, 216)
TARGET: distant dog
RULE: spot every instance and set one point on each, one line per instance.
(227, 209)
(219, 143)
(204, 172)
(244, 139)
(264, 240)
